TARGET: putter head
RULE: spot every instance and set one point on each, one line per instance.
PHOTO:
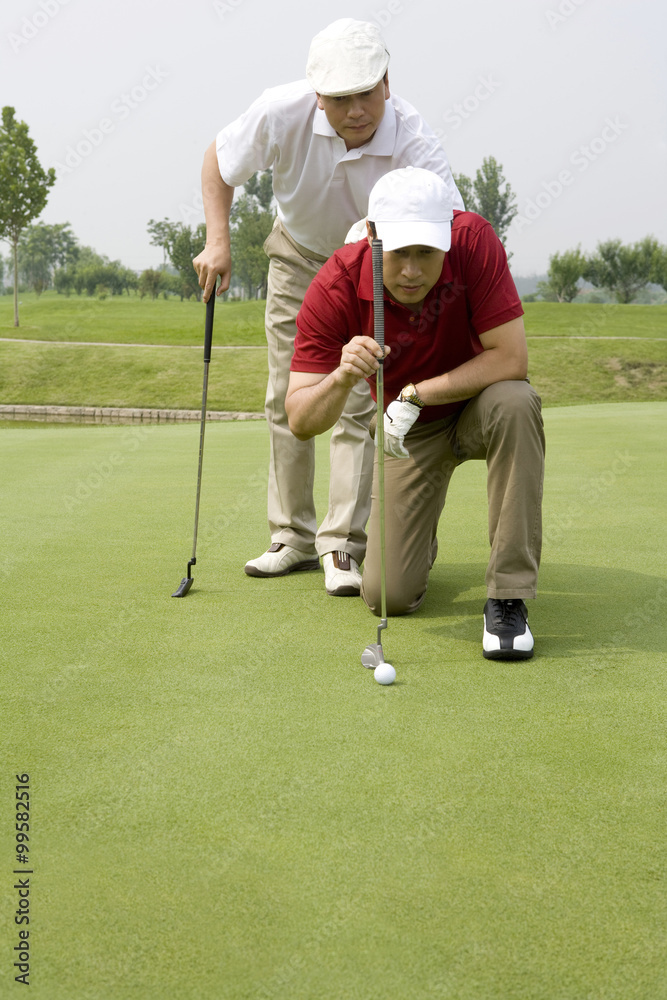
(372, 656)
(183, 587)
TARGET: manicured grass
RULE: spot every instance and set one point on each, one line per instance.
(566, 371)
(563, 371)
(169, 378)
(225, 804)
(127, 319)
(591, 320)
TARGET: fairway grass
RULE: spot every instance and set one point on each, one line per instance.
(149, 377)
(564, 371)
(225, 804)
(127, 319)
(578, 353)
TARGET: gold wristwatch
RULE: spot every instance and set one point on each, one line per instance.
(408, 394)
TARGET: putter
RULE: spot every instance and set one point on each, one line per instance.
(187, 581)
(373, 654)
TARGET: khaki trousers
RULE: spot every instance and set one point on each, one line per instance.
(291, 508)
(503, 426)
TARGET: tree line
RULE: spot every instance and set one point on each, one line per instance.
(50, 256)
(44, 256)
(250, 221)
(621, 269)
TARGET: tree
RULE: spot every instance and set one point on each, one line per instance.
(260, 187)
(181, 244)
(160, 233)
(174, 284)
(94, 275)
(250, 227)
(251, 221)
(564, 273)
(489, 195)
(184, 245)
(621, 268)
(24, 186)
(64, 279)
(42, 249)
(150, 283)
(659, 267)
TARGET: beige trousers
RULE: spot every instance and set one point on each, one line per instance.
(291, 508)
(503, 426)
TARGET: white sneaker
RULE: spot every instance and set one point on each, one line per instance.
(281, 559)
(341, 575)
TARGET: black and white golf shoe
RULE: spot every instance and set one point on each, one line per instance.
(506, 632)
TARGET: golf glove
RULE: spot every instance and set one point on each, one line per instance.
(398, 419)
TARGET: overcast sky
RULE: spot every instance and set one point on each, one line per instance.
(570, 96)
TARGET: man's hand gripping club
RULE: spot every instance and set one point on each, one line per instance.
(315, 402)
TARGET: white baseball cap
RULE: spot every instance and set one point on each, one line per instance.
(412, 207)
(347, 57)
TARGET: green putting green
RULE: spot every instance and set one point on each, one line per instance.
(225, 805)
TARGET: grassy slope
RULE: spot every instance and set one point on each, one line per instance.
(130, 320)
(169, 378)
(565, 371)
(590, 320)
(227, 806)
(127, 319)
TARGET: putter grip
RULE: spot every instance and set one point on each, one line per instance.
(208, 334)
(378, 292)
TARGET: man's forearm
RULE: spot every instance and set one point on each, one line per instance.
(504, 358)
(468, 380)
(217, 197)
(215, 259)
(313, 409)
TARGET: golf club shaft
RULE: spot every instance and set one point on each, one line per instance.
(378, 319)
(208, 340)
(383, 571)
(201, 461)
(187, 581)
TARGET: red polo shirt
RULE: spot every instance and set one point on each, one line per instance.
(474, 293)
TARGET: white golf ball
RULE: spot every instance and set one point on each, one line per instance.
(384, 673)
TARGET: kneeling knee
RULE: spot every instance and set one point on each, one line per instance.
(514, 396)
(398, 601)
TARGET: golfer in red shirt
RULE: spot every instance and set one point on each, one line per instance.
(455, 375)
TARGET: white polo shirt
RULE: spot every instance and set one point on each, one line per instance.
(321, 188)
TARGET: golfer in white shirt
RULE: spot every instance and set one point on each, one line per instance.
(328, 139)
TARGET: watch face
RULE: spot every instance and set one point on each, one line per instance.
(409, 395)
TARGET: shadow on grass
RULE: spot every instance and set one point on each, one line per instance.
(579, 609)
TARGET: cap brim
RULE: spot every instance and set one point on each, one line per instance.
(395, 235)
(331, 87)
